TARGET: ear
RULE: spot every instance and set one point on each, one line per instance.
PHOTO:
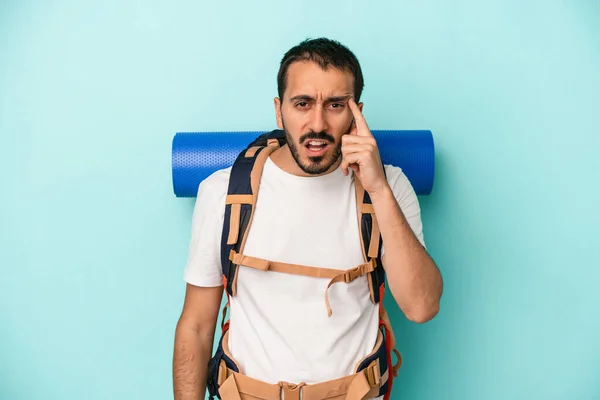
(360, 106)
(277, 104)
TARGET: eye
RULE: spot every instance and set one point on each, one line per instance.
(337, 105)
(302, 104)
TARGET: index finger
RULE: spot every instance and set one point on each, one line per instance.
(361, 123)
(358, 117)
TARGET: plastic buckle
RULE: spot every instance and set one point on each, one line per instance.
(291, 391)
(353, 274)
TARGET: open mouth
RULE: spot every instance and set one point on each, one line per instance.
(316, 147)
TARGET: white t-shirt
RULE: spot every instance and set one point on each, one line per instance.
(279, 329)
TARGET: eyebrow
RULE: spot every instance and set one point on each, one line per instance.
(333, 99)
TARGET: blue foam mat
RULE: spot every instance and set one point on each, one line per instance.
(196, 155)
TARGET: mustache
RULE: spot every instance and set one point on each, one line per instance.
(317, 136)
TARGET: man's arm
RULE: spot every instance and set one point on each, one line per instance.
(194, 338)
(413, 277)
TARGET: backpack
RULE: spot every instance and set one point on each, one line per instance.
(241, 198)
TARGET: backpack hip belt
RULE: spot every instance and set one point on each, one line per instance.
(366, 381)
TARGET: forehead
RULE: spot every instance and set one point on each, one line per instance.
(307, 77)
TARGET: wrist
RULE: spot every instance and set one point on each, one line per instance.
(382, 194)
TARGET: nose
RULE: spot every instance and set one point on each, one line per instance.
(318, 121)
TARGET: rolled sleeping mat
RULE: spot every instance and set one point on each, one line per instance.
(196, 155)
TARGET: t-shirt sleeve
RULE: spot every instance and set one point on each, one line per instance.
(203, 266)
(407, 200)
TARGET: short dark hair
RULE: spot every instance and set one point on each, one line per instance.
(325, 52)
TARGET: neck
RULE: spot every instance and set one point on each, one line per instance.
(283, 158)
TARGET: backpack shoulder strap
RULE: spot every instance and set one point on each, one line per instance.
(371, 242)
(370, 238)
(240, 202)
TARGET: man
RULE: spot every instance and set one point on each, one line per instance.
(306, 215)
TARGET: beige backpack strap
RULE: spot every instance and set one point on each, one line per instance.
(335, 275)
(366, 209)
(383, 315)
(373, 250)
(237, 200)
(294, 269)
(229, 390)
(255, 176)
(360, 195)
(348, 277)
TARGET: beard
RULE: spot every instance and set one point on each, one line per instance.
(314, 165)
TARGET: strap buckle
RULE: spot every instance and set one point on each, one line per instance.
(353, 274)
(374, 374)
(361, 270)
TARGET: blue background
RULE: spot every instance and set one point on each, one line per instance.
(93, 241)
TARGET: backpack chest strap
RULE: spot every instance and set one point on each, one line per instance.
(335, 275)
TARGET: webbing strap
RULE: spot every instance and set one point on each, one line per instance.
(367, 208)
(335, 275)
(348, 277)
(233, 383)
(241, 387)
(388, 325)
(252, 151)
(359, 386)
(234, 223)
(238, 199)
(294, 269)
(255, 175)
(373, 249)
(375, 233)
(291, 391)
(392, 340)
(360, 195)
(229, 389)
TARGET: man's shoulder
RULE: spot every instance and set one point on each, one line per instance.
(396, 177)
(392, 171)
(401, 186)
(215, 185)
